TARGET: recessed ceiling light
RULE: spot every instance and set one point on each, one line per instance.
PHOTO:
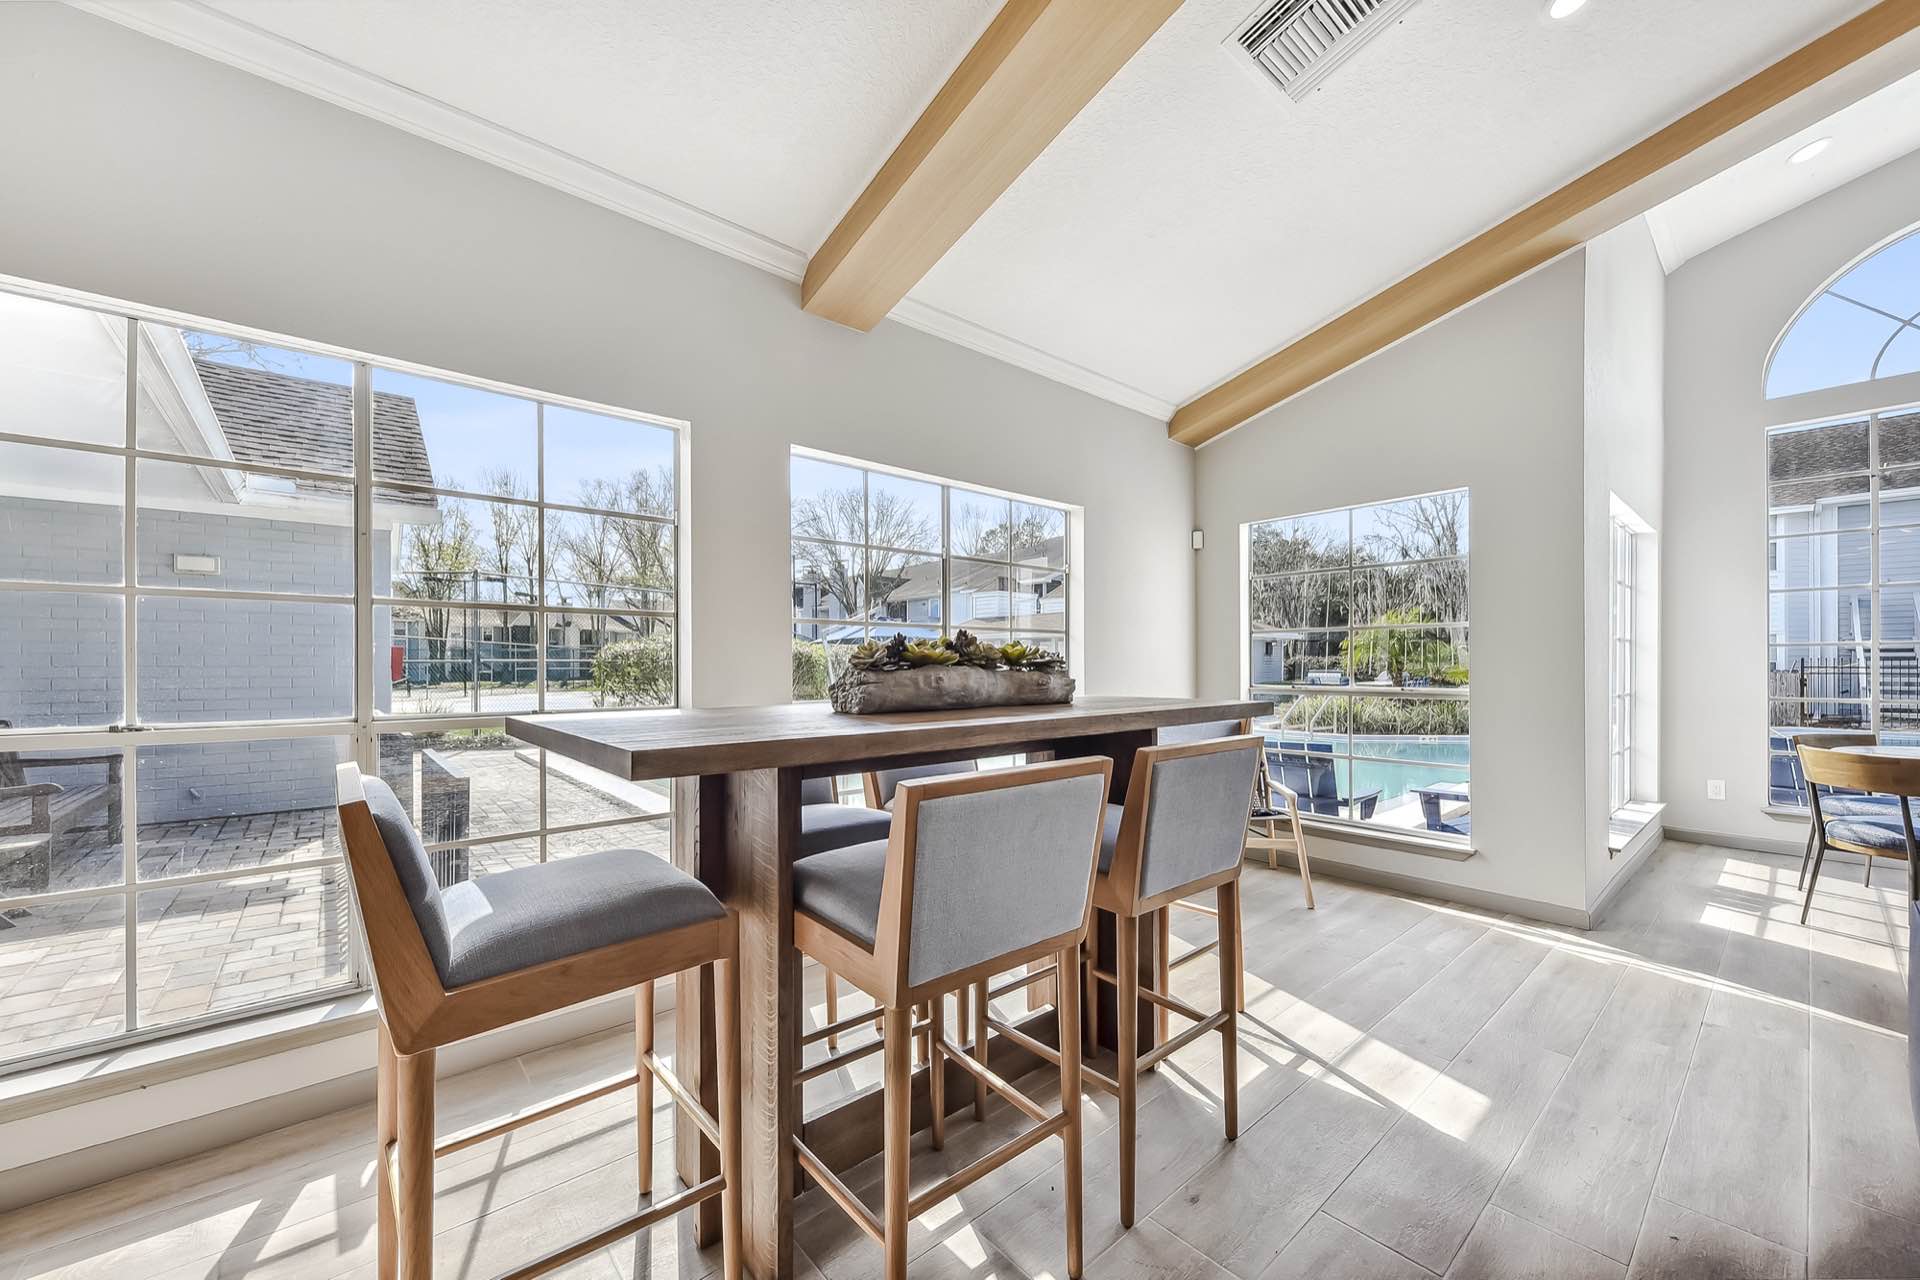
(1809, 151)
(1564, 8)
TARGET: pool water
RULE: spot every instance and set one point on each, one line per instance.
(1416, 762)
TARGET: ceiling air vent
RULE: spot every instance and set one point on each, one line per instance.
(1297, 43)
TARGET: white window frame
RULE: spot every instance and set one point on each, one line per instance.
(1622, 546)
(363, 727)
(871, 629)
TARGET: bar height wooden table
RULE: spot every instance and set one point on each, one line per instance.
(737, 774)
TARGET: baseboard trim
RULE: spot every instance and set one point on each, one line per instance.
(1636, 852)
(1752, 844)
(1461, 895)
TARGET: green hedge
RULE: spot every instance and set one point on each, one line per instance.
(809, 670)
(1323, 713)
(634, 672)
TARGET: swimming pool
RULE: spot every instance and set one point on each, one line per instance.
(1399, 764)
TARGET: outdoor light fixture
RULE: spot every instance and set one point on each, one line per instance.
(1809, 151)
(1564, 8)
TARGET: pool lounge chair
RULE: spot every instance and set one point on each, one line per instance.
(1432, 797)
(1307, 770)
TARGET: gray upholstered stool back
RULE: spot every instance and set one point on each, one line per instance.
(817, 791)
(889, 780)
(411, 866)
(1000, 868)
(1205, 731)
(1197, 810)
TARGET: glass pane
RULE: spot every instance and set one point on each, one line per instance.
(642, 839)
(578, 793)
(426, 431)
(1819, 617)
(904, 589)
(1431, 799)
(1435, 591)
(62, 975)
(1832, 344)
(1899, 437)
(1410, 657)
(1314, 722)
(829, 501)
(597, 460)
(1899, 555)
(827, 580)
(229, 806)
(1900, 496)
(902, 513)
(1824, 449)
(1040, 598)
(607, 562)
(1290, 657)
(1411, 529)
(469, 862)
(464, 549)
(1822, 560)
(1899, 610)
(1825, 489)
(1901, 356)
(1417, 730)
(1301, 600)
(1900, 723)
(1887, 278)
(1303, 542)
(60, 514)
(206, 660)
(448, 661)
(819, 651)
(1039, 535)
(60, 821)
(62, 659)
(1823, 714)
(979, 524)
(62, 374)
(213, 396)
(232, 944)
(205, 526)
(607, 660)
(465, 783)
(983, 594)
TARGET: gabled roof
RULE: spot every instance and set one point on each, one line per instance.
(278, 419)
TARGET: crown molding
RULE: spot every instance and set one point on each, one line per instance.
(198, 29)
(212, 34)
(990, 342)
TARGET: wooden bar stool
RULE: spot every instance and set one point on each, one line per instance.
(827, 824)
(980, 873)
(1182, 830)
(1870, 836)
(482, 954)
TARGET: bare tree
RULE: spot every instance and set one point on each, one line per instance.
(840, 517)
(436, 558)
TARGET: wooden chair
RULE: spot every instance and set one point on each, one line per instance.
(482, 954)
(1842, 806)
(981, 873)
(1871, 837)
(51, 809)
(827, 824)
(1183, 830)
(1273, 826)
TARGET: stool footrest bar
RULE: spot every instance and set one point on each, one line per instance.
(839, 1192)
(619, 1230)
(1181, 1041)
(834, 1061)
(474, 1137)
(986, 1164)
(1020, 981)
(993, 1080)
(689, 1105)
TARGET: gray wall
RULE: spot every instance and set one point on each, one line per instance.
(157, 176)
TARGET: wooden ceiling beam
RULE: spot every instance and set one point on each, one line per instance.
(1029, 74)
(1740, 122)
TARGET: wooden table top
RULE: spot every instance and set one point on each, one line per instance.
(685, 743)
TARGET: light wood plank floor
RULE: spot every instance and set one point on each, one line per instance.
(1701, 1087)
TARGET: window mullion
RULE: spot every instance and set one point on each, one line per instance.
(130, 688)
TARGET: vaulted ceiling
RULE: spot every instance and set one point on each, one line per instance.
(1190, 220)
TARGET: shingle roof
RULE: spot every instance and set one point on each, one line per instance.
(278, 419)
(1801, 464)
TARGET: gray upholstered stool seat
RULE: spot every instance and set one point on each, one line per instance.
(841, 888)
(1872, 835)
(834, 826)
(517, 919)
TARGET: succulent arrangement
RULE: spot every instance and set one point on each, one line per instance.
(961, 649)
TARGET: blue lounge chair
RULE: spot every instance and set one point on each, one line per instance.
(1307, 770)
(1432, 797)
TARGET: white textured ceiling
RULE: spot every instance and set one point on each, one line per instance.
(1191, 220)
(1880, 127)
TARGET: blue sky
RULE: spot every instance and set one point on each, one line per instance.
(1840, 336)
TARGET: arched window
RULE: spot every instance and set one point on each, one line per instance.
(1864, 325)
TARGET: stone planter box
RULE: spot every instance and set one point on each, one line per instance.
(865, 693)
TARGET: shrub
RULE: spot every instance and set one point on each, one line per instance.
(634, 672)
(809, 670)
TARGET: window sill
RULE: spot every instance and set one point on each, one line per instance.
(1387, 838)
(114, 1071)
(1626, 824)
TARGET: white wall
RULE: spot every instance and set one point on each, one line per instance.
(1725, 309)
(1490, 399)
(138, 171)
(1625, 348)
